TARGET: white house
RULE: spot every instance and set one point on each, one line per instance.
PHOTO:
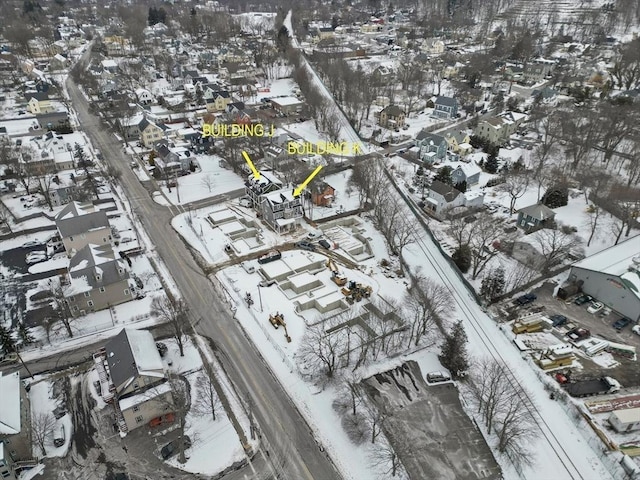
(144, 96)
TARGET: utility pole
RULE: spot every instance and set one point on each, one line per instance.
(260, 297)
(252, 425)
(177, 189)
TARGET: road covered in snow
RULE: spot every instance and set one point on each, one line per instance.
(561, 450)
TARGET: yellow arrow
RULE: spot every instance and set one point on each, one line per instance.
(302, 186)
(254, 170)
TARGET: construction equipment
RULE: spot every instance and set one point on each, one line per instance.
(336, 276)
(356, 291)
(277, 319)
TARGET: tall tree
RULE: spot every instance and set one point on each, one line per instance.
(175, 313)
(453, 352)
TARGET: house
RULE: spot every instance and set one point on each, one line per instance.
(235, 107)
(150, 133)
(538, 70)
(391, 116)
(58, 62)
(144, 96)
(38, 102)
(209, 91)
(442, 197)
(116, 45)
(15, 433)
(255, 188)
(80, 224)
(498, 129)
(322, 194)
(219, 101)
(325, 33)
(281, 210)
(433, 147)
(445, 107)
(62, 189)
(171, 160)
(459, 143)
(132, 370)
(535, 217)
(53, 120)
(466, 172)
(97, 280)
(613, 277)
(287, 105)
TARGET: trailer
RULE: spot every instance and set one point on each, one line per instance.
(586, 388)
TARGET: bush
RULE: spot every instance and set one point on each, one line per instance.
(556, 196)
(356, 427)
(462, 258)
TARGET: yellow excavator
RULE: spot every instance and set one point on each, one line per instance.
(336, 276)
(277, 319)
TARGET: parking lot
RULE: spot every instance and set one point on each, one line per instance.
(428, 427)
(627, 372)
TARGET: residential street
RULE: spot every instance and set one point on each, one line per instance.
(288, 434)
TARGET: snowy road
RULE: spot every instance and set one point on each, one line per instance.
(292, 444)
(562, 452)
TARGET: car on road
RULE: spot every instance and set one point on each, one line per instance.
(266, 283)
(595, 307)
(171, 448)
(304, 245)
(313, 235)
(582, 299)
(558, 320)
(525, 299)
(324, 244)
(621, 323)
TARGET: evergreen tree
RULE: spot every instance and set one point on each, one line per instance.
(24, 334)
(556, 196)
(444, 175)
(493, 284)
(491, 165)
(462, 258)
(461, 186)
(7, 342)
(453, 352)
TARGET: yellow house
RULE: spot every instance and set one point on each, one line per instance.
(38, 103)
(459, 142)
(150, 133)
(218, 102)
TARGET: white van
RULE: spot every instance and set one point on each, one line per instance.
(248, 267)
(438, 377)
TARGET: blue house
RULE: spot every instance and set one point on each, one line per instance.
(466, 172)
(445, 107)
(433, 147)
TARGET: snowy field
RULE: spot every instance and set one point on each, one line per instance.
(210, 181)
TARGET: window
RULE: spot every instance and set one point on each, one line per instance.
(87, 294)
(135, 386)
(90, 303)
(139, 419)
(71, 239)
(98, 277)
(120, 271)
(126, 291)
(104, 240)
(102, 289)
(6, 474)
(70, 299)
(74, 308)
(136, 408)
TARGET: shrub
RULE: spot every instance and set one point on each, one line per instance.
(356, 427)
(462, 258)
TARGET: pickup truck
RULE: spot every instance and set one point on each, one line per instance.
(586, 388)
(525, 299)
(271, 256)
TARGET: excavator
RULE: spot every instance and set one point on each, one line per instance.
(277, 319)
(336, 276)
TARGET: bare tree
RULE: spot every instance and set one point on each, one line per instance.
(207, 401)
(461, 230)
(173, 312)
(426, 302)
(376, 416)
(322, 348)
(5, 217)
(515, 185)
(483, 233)
(60, 305)
(553, 245)
(385, 458)
(42, 425)
(207, 181)
(592, 221)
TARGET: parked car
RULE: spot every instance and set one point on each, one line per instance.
(171, 448)
(324, 244)
(245, 202)
(525, 299)
(437, 377)
(595, 307)
(621, 323)
(304, 245)
(313, 235)
(636, 329)
(266, 283)
(558, 320)
(582, 299)
(31, 244)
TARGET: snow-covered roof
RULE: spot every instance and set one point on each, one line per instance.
(627, 415)
(286, 101)
(614, 260)
(469, 169)
(145, 353)
(130, 402)
(10, 411)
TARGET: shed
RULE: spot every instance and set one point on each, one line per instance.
(627, 420)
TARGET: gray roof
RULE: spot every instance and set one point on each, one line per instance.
(393, 110)
(97, 259)
(76, 218)
(37, 95)
(447, 101)
(538, 211)
(429, 137)
(447, 191)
